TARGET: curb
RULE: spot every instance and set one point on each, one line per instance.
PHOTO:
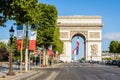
(20, 76)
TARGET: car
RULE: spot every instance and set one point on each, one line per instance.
(60, 61)
(114, 62)
(109, 62)
(119, 64)
(81, 61)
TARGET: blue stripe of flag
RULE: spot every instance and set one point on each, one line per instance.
(19, 27)
(77, 51)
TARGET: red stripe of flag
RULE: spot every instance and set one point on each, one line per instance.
(19, 44)
(32, 44)
(50, 50)
(19, 37)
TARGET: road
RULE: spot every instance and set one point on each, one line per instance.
(79, 71)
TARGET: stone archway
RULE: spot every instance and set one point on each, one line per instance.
(83, 38)
(90, 27)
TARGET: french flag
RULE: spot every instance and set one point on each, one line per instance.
(56, 54)
(50, 50)
(20, 33)
(76, 49)
(32, 44)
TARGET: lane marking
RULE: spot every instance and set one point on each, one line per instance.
(36, 75)
(52, 76)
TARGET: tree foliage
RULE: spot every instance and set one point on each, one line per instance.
(3, 52)
(31, 12)
(113, 48)
(15, 52)
(21, 11)
(25, 11)
(108, 58)
(118, 49)
(47, 25)
(5, 11)
(48, 31)
(58, 44)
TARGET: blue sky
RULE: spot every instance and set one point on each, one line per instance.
(108, 9)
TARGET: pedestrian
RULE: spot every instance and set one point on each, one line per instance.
(18, 63)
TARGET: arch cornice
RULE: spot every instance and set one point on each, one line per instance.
(80, 25)
(79, 17)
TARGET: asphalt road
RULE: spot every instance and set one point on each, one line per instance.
(77, 71)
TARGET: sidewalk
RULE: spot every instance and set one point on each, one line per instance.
(17, 76)
(24, 75)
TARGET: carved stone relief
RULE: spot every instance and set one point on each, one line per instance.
(94, 49)
(63, 34)
(94, 34)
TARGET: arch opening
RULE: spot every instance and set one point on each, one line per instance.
(78, 53)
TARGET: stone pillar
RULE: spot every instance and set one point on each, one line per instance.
(66, 56)
(94, 50)
(86, 51)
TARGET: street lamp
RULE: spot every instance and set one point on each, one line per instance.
(10, 53)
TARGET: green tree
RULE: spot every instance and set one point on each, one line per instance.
(113, 48)
(48, 31)
(5, 11)
(25, 11)
(21, 11)
(118, 49)
(3, 52)
(15, 52)
(47, 25)
(107, 58)
(58, 44)
(30, 12)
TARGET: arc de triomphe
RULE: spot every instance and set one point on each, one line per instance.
(89, 28)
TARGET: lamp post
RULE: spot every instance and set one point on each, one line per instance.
(10, 53)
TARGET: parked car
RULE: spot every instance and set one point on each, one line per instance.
(109, 62)
(60, 61)
(118, 63)
(114, 62)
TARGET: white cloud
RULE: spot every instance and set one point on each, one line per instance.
(112, 36)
